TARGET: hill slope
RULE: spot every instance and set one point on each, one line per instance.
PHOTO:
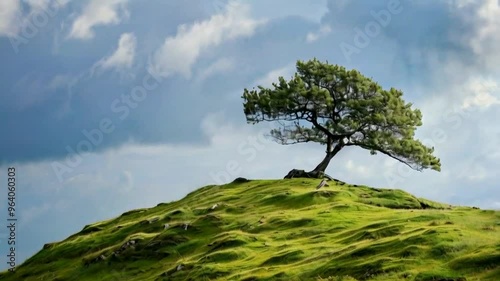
(280, 230)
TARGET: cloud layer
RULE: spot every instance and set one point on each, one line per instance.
(97, 13)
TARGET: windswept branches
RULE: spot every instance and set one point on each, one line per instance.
(340, 105)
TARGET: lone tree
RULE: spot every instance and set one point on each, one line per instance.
(339, 108)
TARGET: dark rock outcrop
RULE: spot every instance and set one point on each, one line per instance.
(240, 180)
(296, 173)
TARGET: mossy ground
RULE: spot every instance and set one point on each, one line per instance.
(281, 230)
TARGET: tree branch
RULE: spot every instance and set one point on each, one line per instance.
(383, 152)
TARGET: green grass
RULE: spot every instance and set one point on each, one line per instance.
(280, 230)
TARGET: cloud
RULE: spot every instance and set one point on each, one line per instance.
(13, 19)
(10, 13)
(34, 89)
(496, 205)
(123, 57)
(98, 12)
(37, 5)
(309, 10)
(323, 31)
(482, 35)
(31, 213)
(59, 81)
(467, 95)
(474, 173)
(179, 53)
(34, 212)
(272, 76)
(96, 181)
(358, 170)
(485, 93)
(219, 66)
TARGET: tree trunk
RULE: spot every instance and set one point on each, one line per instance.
(319, 171)
(321, 168)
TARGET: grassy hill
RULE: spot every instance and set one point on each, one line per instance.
(280, 230)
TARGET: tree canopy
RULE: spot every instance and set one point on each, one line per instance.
(338, 108)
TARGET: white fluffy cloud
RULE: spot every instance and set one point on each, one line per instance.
(10, 12)
(179, 53)
(488, 28)
(123, 56)
(323, 31)
(484, 19)
(484, 93)
(98, 12)
(272, 76)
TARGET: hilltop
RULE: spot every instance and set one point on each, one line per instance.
(280, 230)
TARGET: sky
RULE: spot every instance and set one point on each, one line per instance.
(113, 105)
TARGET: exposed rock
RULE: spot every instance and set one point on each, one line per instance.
(296, 173)
(87, 263)
(124, 246)
(48, 246)
(240, 180)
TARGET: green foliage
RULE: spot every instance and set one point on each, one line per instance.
(336, 107)
(286, 231)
